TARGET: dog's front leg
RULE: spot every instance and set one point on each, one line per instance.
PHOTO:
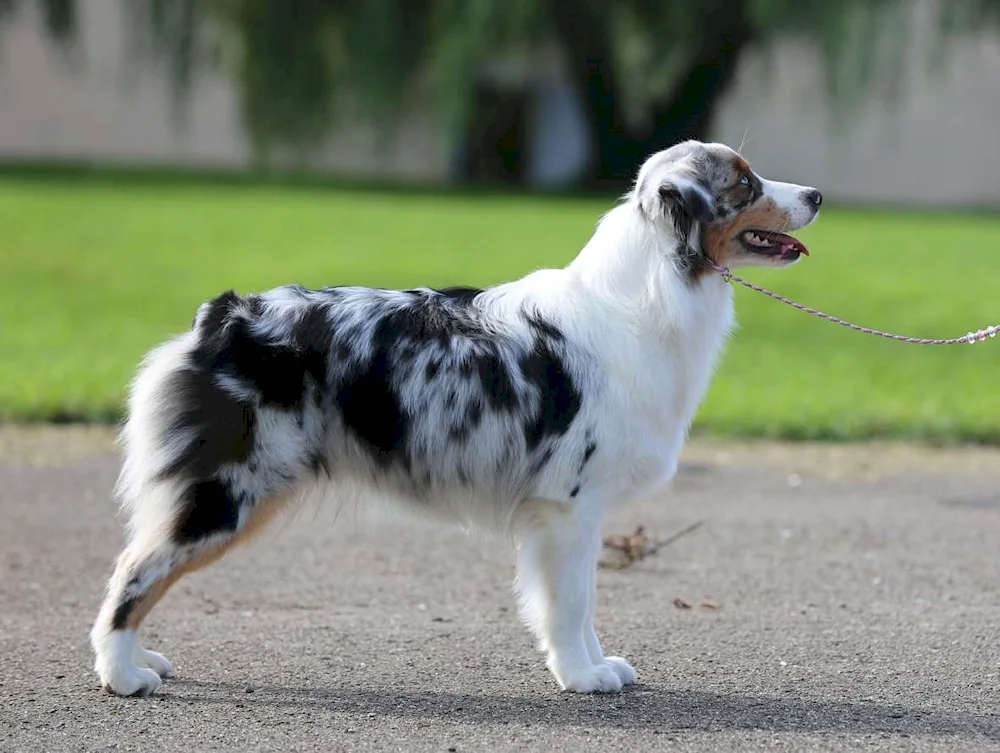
(556, 581)
(624, 670)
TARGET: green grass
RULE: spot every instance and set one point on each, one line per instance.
(92, 274)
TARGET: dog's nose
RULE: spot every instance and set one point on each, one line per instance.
(814, 197)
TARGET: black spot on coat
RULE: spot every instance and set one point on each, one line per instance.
(122, 612)
(371, 409)
(208, 507)
(230, 344)
(495, 381)
(588, 453)
(559, 399)
(220, 427)
(544, 328)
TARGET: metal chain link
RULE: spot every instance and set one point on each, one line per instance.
(971, 338)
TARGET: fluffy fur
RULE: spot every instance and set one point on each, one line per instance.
(525, 409)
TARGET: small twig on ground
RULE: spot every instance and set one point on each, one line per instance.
(212, 606)
(635, 546)
(680, 534)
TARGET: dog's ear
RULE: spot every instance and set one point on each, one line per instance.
(682, 201)
(685, 196)
(677, 196)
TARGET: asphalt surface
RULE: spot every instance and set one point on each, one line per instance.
(839, 599)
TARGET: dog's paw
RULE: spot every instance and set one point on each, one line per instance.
(130, 681)
(597, 678)
(154, 661)
(624, 670)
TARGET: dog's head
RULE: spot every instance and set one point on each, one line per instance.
(720, 210)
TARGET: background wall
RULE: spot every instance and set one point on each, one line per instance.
(935, 146)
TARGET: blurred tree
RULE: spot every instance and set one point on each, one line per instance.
(649, 72)
(59, 16)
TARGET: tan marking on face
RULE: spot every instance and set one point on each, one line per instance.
(721, 244)
(740, 166)
(735, 193)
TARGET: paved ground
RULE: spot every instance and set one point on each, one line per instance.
(857, 594)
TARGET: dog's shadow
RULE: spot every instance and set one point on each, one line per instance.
(639, 707)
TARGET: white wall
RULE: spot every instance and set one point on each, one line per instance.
(939, 147)
(938, 144)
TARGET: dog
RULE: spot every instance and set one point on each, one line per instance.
(523, 410)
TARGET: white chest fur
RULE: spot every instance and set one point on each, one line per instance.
(658, 335)
(672, 372)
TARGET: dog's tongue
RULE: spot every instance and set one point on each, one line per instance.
(786, 244)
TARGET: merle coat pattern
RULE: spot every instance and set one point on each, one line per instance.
(525, 409)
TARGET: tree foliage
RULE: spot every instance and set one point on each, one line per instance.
(59, 16)
(648, 70)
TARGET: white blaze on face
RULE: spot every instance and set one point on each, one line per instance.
(792, 199)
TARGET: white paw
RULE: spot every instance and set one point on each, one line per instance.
(129, 680)
(154, 661)
(624, 670)
(116, 665)
(597, 678)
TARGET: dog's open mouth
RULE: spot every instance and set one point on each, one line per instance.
(778, 245)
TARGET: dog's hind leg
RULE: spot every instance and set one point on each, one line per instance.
(206, 523)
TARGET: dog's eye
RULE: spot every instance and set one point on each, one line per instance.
(745, 181)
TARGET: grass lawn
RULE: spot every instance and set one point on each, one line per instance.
(92, 274)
